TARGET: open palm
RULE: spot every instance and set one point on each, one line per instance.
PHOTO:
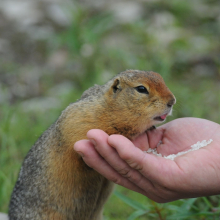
(194, 174)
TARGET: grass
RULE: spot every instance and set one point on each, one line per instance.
(98, 47)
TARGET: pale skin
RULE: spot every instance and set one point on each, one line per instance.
(194, 174)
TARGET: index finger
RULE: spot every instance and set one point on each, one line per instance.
(150, 166)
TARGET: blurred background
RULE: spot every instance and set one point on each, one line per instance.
(52, 50)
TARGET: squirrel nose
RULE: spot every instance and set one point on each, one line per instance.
(171, 102)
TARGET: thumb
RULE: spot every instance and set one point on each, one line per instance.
(155, 136)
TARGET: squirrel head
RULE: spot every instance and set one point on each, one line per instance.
(137, 100)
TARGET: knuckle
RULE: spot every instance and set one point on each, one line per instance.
(116, 180)
(125, 172)
(136, 178)
(125, 155)
(136, 166)
(131, 175)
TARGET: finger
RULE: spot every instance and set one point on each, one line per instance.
(126, 176)
(90, 156)
(150, 166)
(93, 159)
(155, 136)
(100, 138)
(141, 142)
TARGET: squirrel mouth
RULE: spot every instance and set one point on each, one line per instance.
(161, 118)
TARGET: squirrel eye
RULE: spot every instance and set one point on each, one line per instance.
(141, 89)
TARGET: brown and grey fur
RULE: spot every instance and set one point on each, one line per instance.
(54, 182)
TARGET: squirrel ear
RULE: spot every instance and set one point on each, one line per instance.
(115, 85)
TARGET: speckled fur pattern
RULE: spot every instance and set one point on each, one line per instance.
(54, 182)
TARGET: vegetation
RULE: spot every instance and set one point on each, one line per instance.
(178, 39)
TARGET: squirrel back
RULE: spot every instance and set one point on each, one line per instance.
(54, 182)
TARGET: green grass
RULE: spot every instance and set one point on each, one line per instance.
(98, 47)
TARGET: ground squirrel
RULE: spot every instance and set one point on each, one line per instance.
(54, 182)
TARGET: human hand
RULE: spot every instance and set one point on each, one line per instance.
(194, 174)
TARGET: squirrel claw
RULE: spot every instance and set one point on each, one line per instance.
(151, 128)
